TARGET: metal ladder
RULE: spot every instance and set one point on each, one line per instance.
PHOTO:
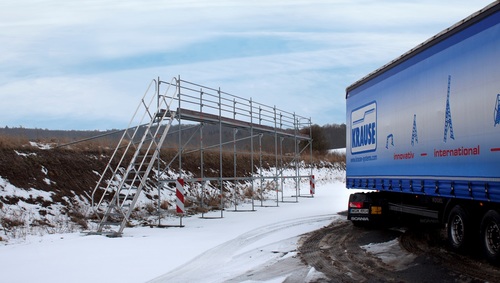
(121, 183)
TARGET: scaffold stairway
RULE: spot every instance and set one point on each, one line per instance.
(124, 177)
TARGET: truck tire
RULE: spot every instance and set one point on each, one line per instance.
(490, 235)
(459, 229)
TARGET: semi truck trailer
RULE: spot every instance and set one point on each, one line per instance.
(423, 136)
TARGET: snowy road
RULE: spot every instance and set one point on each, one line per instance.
(250, 252)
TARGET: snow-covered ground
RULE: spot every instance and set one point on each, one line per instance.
(204, 250)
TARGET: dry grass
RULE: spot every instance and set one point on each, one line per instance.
(9, 223)
(13, 142)
(165, 205)
(190, 160)
(332, 157)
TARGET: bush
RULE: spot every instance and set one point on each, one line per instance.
(9, 223)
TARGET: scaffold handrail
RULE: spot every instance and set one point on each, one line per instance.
(217, 102)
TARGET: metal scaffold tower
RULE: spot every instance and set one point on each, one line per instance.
(448, 124)
(136, 163)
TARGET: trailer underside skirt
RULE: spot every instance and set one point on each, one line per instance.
(415, 210)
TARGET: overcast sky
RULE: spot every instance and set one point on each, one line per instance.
(85, 64)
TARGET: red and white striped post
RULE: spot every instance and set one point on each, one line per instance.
(179, 185)
(312, 184)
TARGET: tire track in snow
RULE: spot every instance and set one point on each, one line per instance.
(207, 266)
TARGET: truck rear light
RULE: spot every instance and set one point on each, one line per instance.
(355, 204)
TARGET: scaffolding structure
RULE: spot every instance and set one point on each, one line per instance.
(250, 122)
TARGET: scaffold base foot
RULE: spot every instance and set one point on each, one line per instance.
(267, 206)
(166, 226)
(109, 234)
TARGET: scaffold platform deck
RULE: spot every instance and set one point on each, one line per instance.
(196, 116)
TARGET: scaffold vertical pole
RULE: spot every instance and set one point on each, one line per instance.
(281, 167)
(221, 183)
(235, 131)
(297, 157)
(251, 153)
(260, 172)
(202, 198)
(276, 156)
(179, 116)
(260, 162)
(158, 185)
(311, 148)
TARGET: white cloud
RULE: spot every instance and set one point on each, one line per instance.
(92, 60)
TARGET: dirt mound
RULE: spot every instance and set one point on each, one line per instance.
(46, 190)
(65, 173)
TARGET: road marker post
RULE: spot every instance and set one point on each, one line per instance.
(312, 184)
(179, 185)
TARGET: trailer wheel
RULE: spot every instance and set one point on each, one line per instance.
(458, 229)
(490, 235)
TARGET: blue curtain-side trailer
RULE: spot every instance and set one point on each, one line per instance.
(423, 135)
